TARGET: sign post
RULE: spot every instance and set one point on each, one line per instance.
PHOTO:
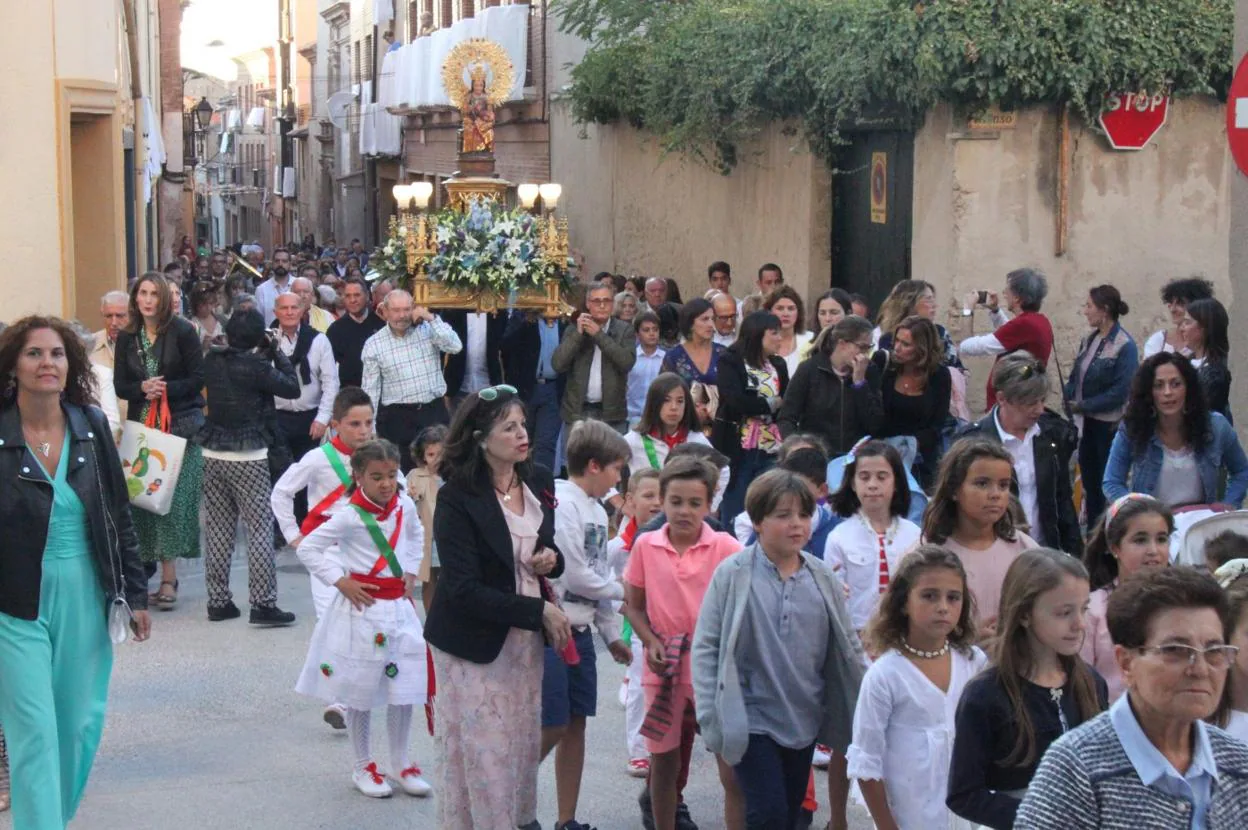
(1131, 119)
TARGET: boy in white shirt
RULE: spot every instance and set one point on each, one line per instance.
(325, 473)
(589, 592)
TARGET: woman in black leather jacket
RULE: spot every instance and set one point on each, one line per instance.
(159, 354)
(242, 377)
(69, 557)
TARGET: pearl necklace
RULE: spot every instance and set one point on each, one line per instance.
(927, 655)
(889, 534)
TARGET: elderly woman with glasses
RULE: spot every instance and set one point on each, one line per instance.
(1151, 761)
(835, 394)
(1019, 326)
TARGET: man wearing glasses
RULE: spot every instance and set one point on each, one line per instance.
(596, 353)
(724, 307)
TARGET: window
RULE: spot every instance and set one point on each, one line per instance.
(356, 75)
(467, 8)
(367, 62)
(446, 16)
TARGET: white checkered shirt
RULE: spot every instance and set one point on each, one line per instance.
(408, 369)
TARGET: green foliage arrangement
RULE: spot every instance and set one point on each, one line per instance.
(706, 75)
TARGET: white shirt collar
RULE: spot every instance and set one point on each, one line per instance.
(1009, 437)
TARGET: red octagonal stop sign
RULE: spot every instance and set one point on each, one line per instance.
(1237, 116)
(1131, 119)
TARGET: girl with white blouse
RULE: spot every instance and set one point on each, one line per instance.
(865, 550)
(924, 631)
(668, 420)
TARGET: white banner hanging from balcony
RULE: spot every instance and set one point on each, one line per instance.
(411, 76)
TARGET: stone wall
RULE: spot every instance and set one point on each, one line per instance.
(633, 210)
(1136, 219)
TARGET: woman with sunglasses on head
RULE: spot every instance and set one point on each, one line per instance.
(835, 394)
(1170, 446)
(1151, 761)
(495, 534)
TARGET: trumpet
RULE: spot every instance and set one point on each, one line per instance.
(239, 261)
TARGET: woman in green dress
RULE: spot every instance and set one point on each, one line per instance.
(159, 354)
(71, 569)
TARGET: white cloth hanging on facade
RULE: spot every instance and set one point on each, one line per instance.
(153, 149)
(412, 74)
(381, 134)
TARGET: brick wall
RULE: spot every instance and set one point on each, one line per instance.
(521, 150)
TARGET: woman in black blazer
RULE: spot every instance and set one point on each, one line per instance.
(752, 379)
(915, 388)
(160, 354)
(494, 528)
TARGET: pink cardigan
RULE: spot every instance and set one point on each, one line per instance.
(1098, 648)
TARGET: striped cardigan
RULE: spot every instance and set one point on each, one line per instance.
(1086, 782)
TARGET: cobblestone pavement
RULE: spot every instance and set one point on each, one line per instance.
(205, 732)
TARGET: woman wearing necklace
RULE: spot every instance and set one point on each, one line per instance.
(495, 533)
(74, 565)
(160, 355)
(696, 359)
(915, 388)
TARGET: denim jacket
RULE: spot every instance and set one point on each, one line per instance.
(1107, 382)
(1222, 450)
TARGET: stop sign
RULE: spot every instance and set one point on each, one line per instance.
(1237, 116)
(1131, 119)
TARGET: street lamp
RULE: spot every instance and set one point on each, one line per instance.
(203, 113)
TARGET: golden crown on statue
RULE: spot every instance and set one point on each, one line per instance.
(477, 72)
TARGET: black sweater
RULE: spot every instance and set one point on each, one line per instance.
(347, 338)
(984, 735)
(819, 400)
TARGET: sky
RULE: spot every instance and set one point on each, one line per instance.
(242, 25)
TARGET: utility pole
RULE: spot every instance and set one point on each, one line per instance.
(1239, 246)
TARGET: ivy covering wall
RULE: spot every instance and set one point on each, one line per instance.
(705, 75)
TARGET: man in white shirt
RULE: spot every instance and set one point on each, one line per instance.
(403, 371)
(479, 363)
(724, 307)
(279, 283)
(597, 352)
(302, 421)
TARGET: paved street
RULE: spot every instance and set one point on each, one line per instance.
(205, 732)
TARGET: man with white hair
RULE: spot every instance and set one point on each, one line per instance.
(403, 371)
(115, 309)
(724, 307)
(313, 314)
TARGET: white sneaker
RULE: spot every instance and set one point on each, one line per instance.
(823, 756)
(336, 715)
(371, 782)
(412, 784)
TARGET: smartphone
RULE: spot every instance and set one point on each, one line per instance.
(982, 298)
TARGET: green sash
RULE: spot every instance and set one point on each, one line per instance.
(379, 539)
(335, 462)
(648, 443)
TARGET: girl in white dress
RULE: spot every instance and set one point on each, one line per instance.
(668, 420)
(368, 648)
(865, 550)
(924, 631)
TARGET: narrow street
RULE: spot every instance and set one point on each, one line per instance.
(205, 732)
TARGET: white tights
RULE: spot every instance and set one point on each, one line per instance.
(398, 728)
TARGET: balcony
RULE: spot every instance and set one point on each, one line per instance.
(411, 76)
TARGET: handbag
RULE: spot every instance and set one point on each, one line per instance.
(151, 459)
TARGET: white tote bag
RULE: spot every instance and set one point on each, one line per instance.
(151, 460)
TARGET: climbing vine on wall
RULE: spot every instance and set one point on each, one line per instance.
(704, 76)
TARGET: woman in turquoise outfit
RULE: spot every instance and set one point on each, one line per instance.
(71, 566)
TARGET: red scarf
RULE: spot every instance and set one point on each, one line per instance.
(629, 533)
(674, 440)
(380, 513)
(316, 516)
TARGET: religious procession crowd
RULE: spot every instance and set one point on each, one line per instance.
(790, 528)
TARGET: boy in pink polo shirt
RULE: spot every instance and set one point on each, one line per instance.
(667, 576)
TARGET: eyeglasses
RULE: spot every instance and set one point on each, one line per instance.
(1218, 658)
(863, 347)
(490, 393)
(600, 300)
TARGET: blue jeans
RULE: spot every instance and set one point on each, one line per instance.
(749, 466)
(544, 423)
(1093, 453)
(773, 779)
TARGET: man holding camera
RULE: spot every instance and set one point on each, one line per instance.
(597, 353)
